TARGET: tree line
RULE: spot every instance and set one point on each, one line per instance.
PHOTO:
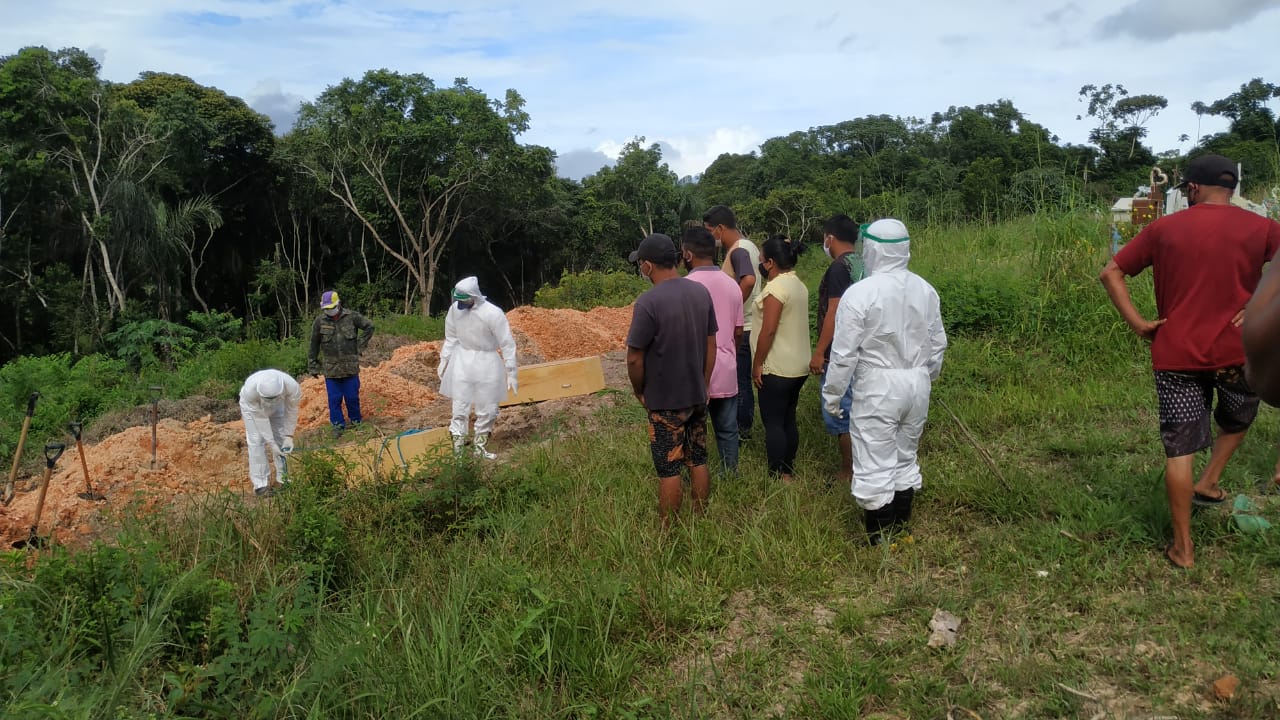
(140, 209)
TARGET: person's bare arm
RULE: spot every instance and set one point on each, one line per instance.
(768, 331)
(635, 372)
(746, 284)
(1261, 330)
(825, 334)
(1112, 278)
(737, 336)
(710, 365)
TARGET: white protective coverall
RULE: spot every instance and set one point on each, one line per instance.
(471, 371)
(269, 405)
(889, 343)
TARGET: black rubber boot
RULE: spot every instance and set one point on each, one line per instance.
(877, 522)
(902, 506)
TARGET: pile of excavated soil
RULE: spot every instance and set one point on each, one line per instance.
(384, 395)
(205, 453)
(199, 457)
(567, 334)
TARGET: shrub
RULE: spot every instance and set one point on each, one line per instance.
(69, 390)
(220, 372)
(980, 303)
(585, 290)
(214, 329)
(412, 326)
(148, 343)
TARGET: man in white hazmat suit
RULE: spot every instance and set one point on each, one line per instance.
(269, 405)
(471, 371)
(889, 343)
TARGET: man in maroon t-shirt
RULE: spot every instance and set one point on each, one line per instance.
(1207, 261)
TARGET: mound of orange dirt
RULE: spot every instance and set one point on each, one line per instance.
(566, 334)
(199, 457)
(205, 456)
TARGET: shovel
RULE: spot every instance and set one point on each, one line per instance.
(155, 420)
(52, 452)
(88, 493)
(22, 441)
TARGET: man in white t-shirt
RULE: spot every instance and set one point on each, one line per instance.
(741, 263)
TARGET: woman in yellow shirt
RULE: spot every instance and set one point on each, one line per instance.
(780, 351)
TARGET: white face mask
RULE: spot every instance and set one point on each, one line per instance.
(332, 312)
(827, 249)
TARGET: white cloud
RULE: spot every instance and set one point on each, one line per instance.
(269, 98)
(700, 77)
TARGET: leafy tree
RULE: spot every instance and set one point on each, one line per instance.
(405, 158)
(1122, 120)
(1247, 109)
(635, 197)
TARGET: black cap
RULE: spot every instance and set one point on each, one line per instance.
(656, 248)
(1208, 170)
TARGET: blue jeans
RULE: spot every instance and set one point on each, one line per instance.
(837, 425)
(746, 397)
(724, 420)
(343, 389)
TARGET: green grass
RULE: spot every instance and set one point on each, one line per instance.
(546, 589)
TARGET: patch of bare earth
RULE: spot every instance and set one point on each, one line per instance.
(752, 631)
(201, 445)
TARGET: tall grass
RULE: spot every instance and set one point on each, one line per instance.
(545, 588)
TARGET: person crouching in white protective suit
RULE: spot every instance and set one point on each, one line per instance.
(471, 371)
(269, 405)
(889, 343)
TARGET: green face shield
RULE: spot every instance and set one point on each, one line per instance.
(863, 234)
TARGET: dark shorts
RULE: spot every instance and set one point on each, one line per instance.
(1186, 402)
(678, 438)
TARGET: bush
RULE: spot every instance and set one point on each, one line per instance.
(219, 373)
(150, 343)
(586, 290)
(980, 303)
(78, 390)
(412, 326)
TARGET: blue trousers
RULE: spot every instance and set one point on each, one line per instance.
(343, 389)
(746, 396)
(724, 420)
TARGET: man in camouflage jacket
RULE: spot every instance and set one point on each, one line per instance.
(340, 335)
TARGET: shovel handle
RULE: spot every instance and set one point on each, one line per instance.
(53, 451)
(31, 403)
(75, 428)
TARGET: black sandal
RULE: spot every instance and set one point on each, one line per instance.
(1208, 500)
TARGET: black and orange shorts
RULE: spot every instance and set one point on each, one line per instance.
(1186, 404)
(678, 438)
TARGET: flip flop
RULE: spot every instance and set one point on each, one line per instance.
(1209, 500)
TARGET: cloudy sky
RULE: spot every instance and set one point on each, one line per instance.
(701, 77)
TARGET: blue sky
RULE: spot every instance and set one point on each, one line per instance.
(701, 78)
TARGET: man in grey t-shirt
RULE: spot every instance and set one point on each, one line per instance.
(671, 351)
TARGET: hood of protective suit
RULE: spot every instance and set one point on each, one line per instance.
(886, 246)
(470, 287)
(270, 387)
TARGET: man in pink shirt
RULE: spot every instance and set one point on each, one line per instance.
(699, 253)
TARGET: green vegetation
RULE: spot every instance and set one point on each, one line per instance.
(586, 290)
(127, 207)
(544, 588)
